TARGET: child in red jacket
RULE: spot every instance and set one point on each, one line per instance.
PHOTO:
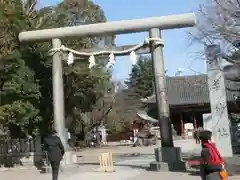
(212, 163)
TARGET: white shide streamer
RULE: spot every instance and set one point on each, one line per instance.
(112, 54)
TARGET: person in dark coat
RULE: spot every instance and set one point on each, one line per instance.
(211, 164)
(55, 149)
(196, 136)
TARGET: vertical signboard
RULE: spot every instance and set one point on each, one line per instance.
(217, 92)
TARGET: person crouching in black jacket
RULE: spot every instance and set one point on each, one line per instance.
(55, 149)
(212, 164)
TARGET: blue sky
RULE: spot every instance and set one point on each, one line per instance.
(178, 53)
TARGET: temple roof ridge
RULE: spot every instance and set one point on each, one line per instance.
(187, 90)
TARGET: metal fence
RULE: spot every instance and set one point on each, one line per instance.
(17, 146)
(13, 150)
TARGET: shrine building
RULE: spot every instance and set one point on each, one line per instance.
(188, 98)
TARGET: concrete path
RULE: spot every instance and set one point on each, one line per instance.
(127, 167)
(187, 146)
(121, 173)
(91, 155)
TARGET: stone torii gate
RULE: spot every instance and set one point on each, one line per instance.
(153, 25)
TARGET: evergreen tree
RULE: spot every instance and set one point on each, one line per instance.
(25, 70)
(141, 77)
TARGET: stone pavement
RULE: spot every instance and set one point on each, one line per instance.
(122, 173)
(133, 174)
(128, 167)
(187, 146)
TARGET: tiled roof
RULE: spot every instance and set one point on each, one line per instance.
(187, 90)
(146, 117)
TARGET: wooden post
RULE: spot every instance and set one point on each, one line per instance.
(106, 162)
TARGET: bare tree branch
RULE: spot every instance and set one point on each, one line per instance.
(31, 9)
